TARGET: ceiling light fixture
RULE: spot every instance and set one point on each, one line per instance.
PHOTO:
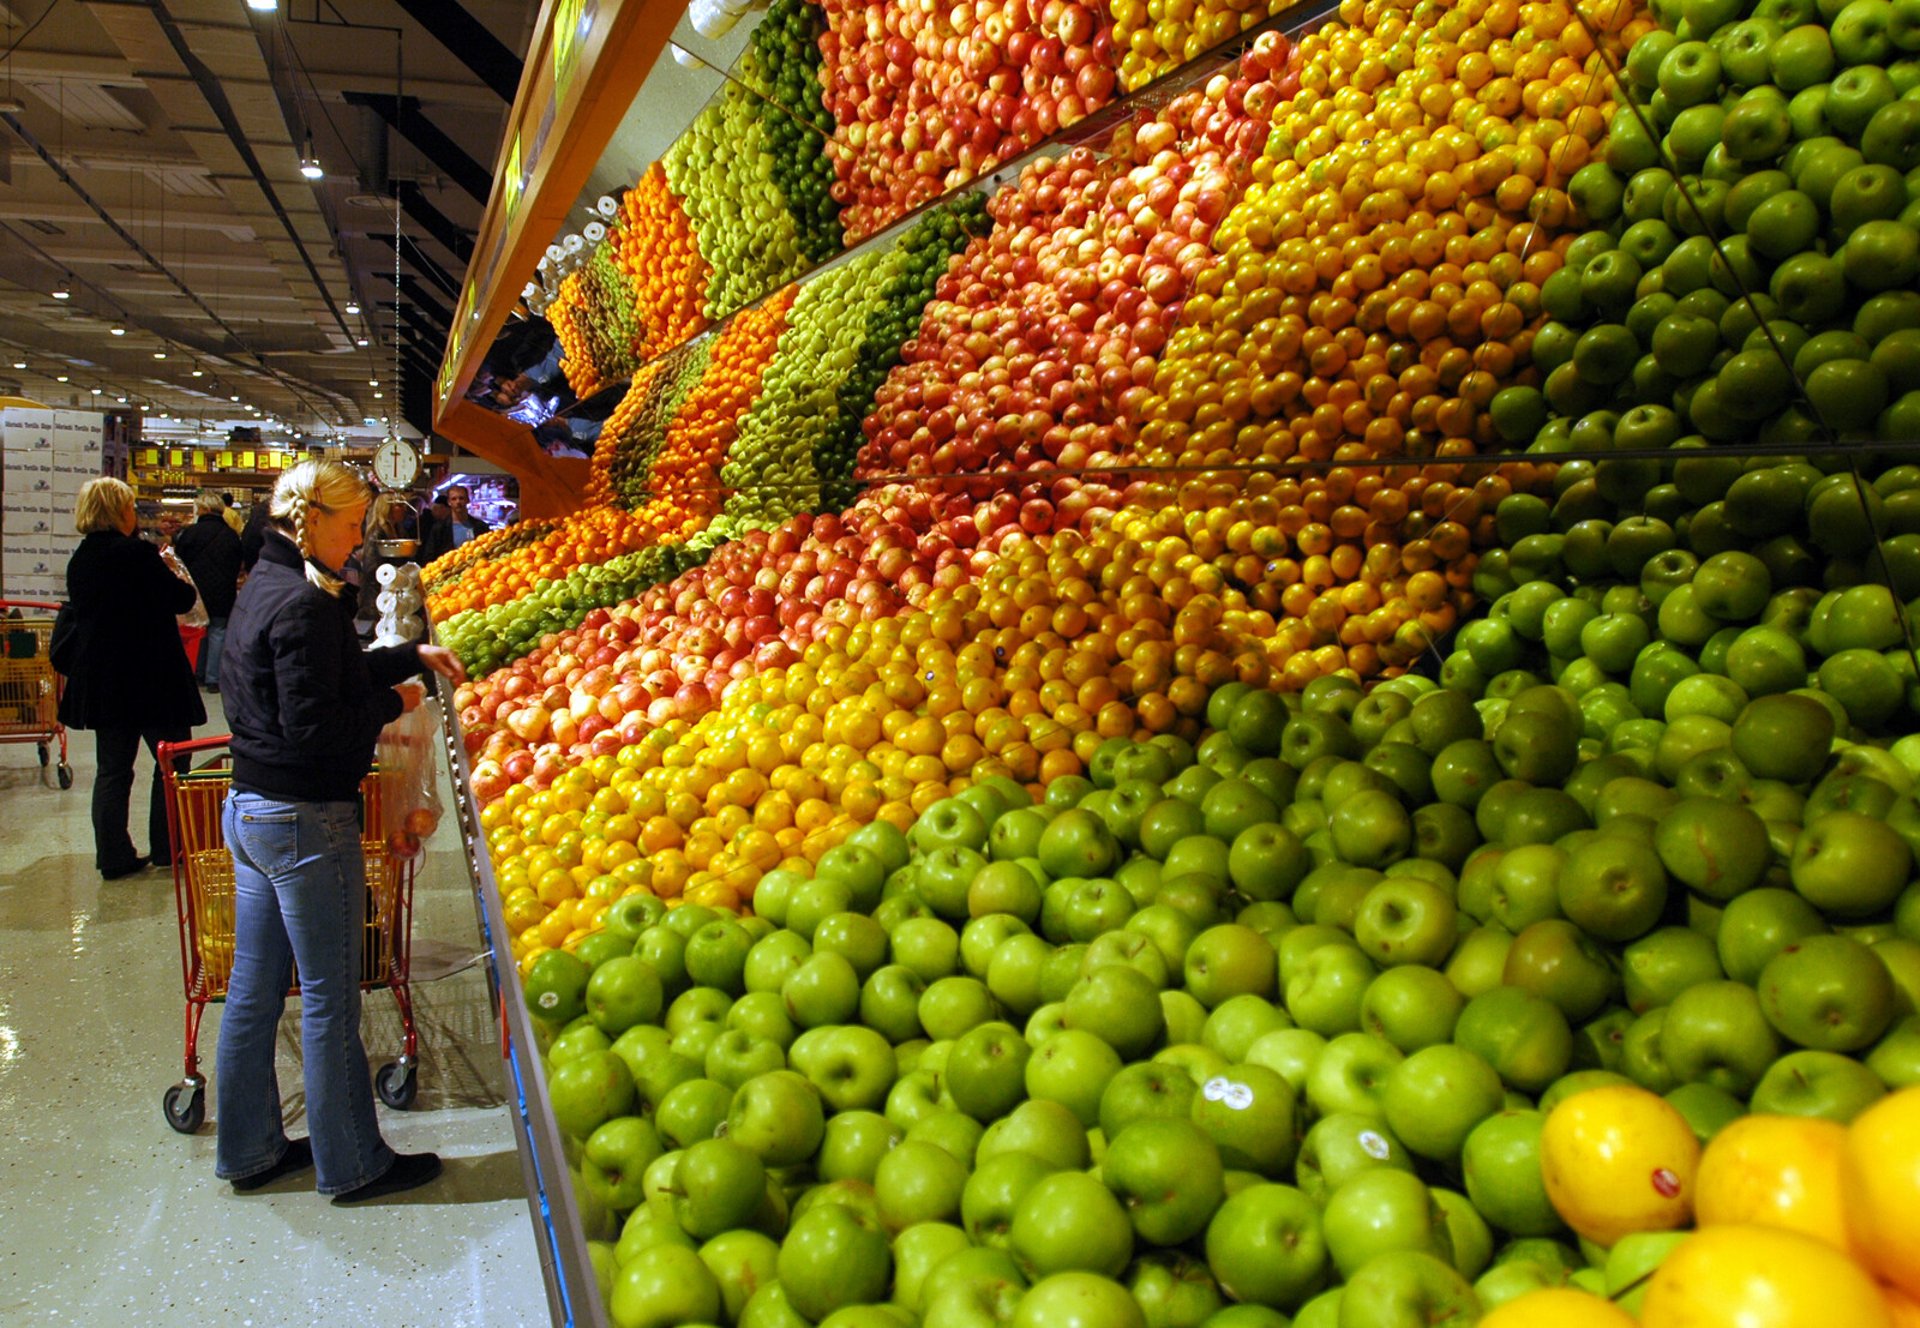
(19, 364)
(61, 292)
(60, 378)
(359, 341)
(353, 307)
(199, 373)
(159, 355)
(117, 330)
(263, 6)
(310, 167)
(234, 398)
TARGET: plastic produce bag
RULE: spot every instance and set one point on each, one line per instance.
(197, 615)
(409, 779)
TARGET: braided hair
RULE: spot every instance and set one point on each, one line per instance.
(327, 485)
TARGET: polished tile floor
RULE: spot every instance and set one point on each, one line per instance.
(107, 1216)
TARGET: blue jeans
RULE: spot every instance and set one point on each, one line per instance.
(209, 670)
(299, 893)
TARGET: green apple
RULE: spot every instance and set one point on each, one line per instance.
(1828, 993)
(692, 1111)
(1849, 865)
(1407, 1286)
(1349, 1074)
(1556, 960)
(717, 1186)
(1342, 1145)
(1614, 888)
(1718, 1033)
(1434, 1098)
(1145, 1090)
(1658, 967)
(1236, 1023)
(1523, 1036)
(1758, 925)
(1411, 1006)
(1078, 1300)
(1382, 1210)
(1168, 1176)
(778, 1117)
(1067, 1221)
(1501, 1163)
(1265, 1247)
(1818, 1083)
(834, 1256)
(664, 1285)
(1046, 1129)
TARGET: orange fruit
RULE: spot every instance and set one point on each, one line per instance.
(1903, 1311)
(1617, 1160)
(1880, 1188)
(1558, 1307)
(1760, 1277)
(1775, 1171)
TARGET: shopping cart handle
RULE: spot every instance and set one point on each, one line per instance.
(168, 751)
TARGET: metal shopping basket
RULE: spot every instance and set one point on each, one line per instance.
(29, 688)
(203, 888)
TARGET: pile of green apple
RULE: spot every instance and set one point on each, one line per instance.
(1255, 1032)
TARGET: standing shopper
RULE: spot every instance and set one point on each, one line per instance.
(211, 551)
(306, 706)
(130, 681)
(458, 526)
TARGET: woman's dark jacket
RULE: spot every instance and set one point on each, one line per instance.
(304, 701)
(211, 552)
(130, 670)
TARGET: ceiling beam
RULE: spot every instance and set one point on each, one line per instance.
(468, 41)
(403, 114)
(457, 240)
(412, 291)
(422, 263)
(112, 71)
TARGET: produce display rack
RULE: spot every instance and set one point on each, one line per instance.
(1093, 130)
(573, 1296)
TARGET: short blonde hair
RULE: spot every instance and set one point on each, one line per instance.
(327, 485)
(100, 504)
(208, 500)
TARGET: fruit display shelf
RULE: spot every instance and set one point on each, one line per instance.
(596, 376)
(1347, 757)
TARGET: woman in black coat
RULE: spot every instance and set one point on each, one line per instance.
(129, 680)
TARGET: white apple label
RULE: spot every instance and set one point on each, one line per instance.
(1221, 1089)
(1374, 1145)
(549, 999)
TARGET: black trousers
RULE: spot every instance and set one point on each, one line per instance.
(114, 753)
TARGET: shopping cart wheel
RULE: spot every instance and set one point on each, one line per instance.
(64, 773)
(44, 757)
(396, 1084)
(186, 1107)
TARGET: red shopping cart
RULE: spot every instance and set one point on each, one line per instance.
(29, 687)
(203, 889)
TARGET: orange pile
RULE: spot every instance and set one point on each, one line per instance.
(655, 246)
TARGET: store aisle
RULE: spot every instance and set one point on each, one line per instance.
(108, 1216)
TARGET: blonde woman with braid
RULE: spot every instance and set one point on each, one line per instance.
(306, 704)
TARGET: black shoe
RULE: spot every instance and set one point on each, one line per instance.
(163, 864)
(139, 865)
(297, 1158)
(409, 1171)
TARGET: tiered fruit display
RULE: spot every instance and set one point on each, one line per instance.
(749, 170)
(1152, 37)
(1029, 895)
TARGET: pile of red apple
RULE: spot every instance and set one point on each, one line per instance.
(1040, 345)
(925, 97)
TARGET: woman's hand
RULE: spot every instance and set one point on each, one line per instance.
(411, 695)
(443, 662)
